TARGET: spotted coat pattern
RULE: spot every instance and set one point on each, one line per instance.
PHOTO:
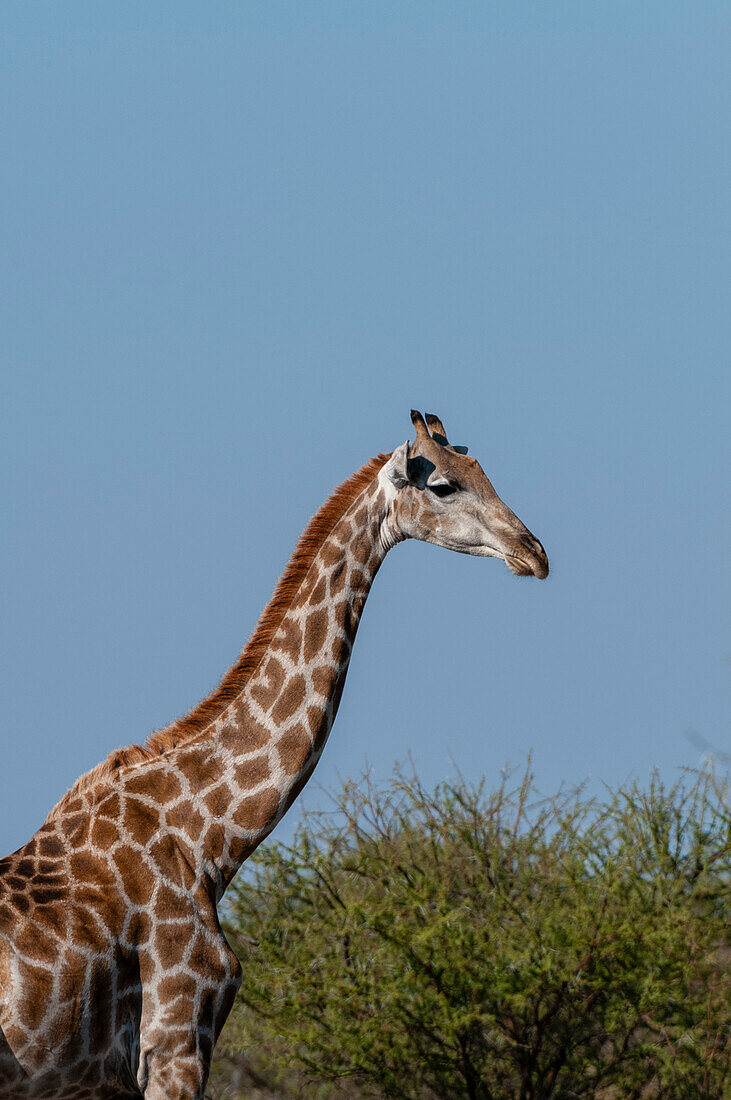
(115, 976)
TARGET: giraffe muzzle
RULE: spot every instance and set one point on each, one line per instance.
(528, 558)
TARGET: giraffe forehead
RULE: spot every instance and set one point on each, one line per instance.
(449, 463)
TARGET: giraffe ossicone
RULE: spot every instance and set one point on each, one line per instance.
(115, 976)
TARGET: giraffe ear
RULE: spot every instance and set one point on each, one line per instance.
(397, 466)
(403, 470)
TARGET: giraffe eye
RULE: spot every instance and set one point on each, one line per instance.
(443, 489)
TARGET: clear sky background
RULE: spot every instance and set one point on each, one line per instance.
(240, 241)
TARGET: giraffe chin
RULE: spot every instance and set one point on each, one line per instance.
(522, 569)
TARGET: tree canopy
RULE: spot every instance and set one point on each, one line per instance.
(496, 945)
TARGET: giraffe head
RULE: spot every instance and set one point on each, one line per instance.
(444, 497)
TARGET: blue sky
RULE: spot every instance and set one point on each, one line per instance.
(240, 242)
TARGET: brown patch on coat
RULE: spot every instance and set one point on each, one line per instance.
(330, 553)
(140, 927)
(319, 592)
(338, 578)
(289, 638)
(109, 807)
(344, 532)
(51, 846)
(49, 867)
(250, 773)
(315, 719)
(28, 943)
(214, 842)
(338, 691)
(175, 860)
(248, 736)
(76, 829)
(100, 995)
(171, 942)
(103, 833)
(178, 1013)
(200, 767)
(86, 868)
(137, 876)
(140, 821)
(262, 692)
(204, 958)
(168, 904)
(71, 975)
(290, 700)
(315, 633)
(294, 747)
(256, 811)
(217, 802)
(302, 596)
(322, 679)
(36, 987)
(301, 781)
(186, 817)
(162, 784)
(342, 613)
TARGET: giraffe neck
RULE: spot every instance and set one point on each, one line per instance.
(277, 728)
(241, 776)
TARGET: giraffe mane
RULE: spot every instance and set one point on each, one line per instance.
(196, 721)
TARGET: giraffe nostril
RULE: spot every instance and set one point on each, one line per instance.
(540, 568)
(537, 562)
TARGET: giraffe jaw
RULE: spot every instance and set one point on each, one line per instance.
(518, 567)
(533, 565)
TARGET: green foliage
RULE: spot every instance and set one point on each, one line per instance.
(463, 944)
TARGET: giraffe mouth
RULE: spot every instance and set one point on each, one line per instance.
(517, 566)
(521, 568)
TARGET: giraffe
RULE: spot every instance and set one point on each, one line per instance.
(115, 975)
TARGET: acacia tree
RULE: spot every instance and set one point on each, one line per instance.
(462, 944)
